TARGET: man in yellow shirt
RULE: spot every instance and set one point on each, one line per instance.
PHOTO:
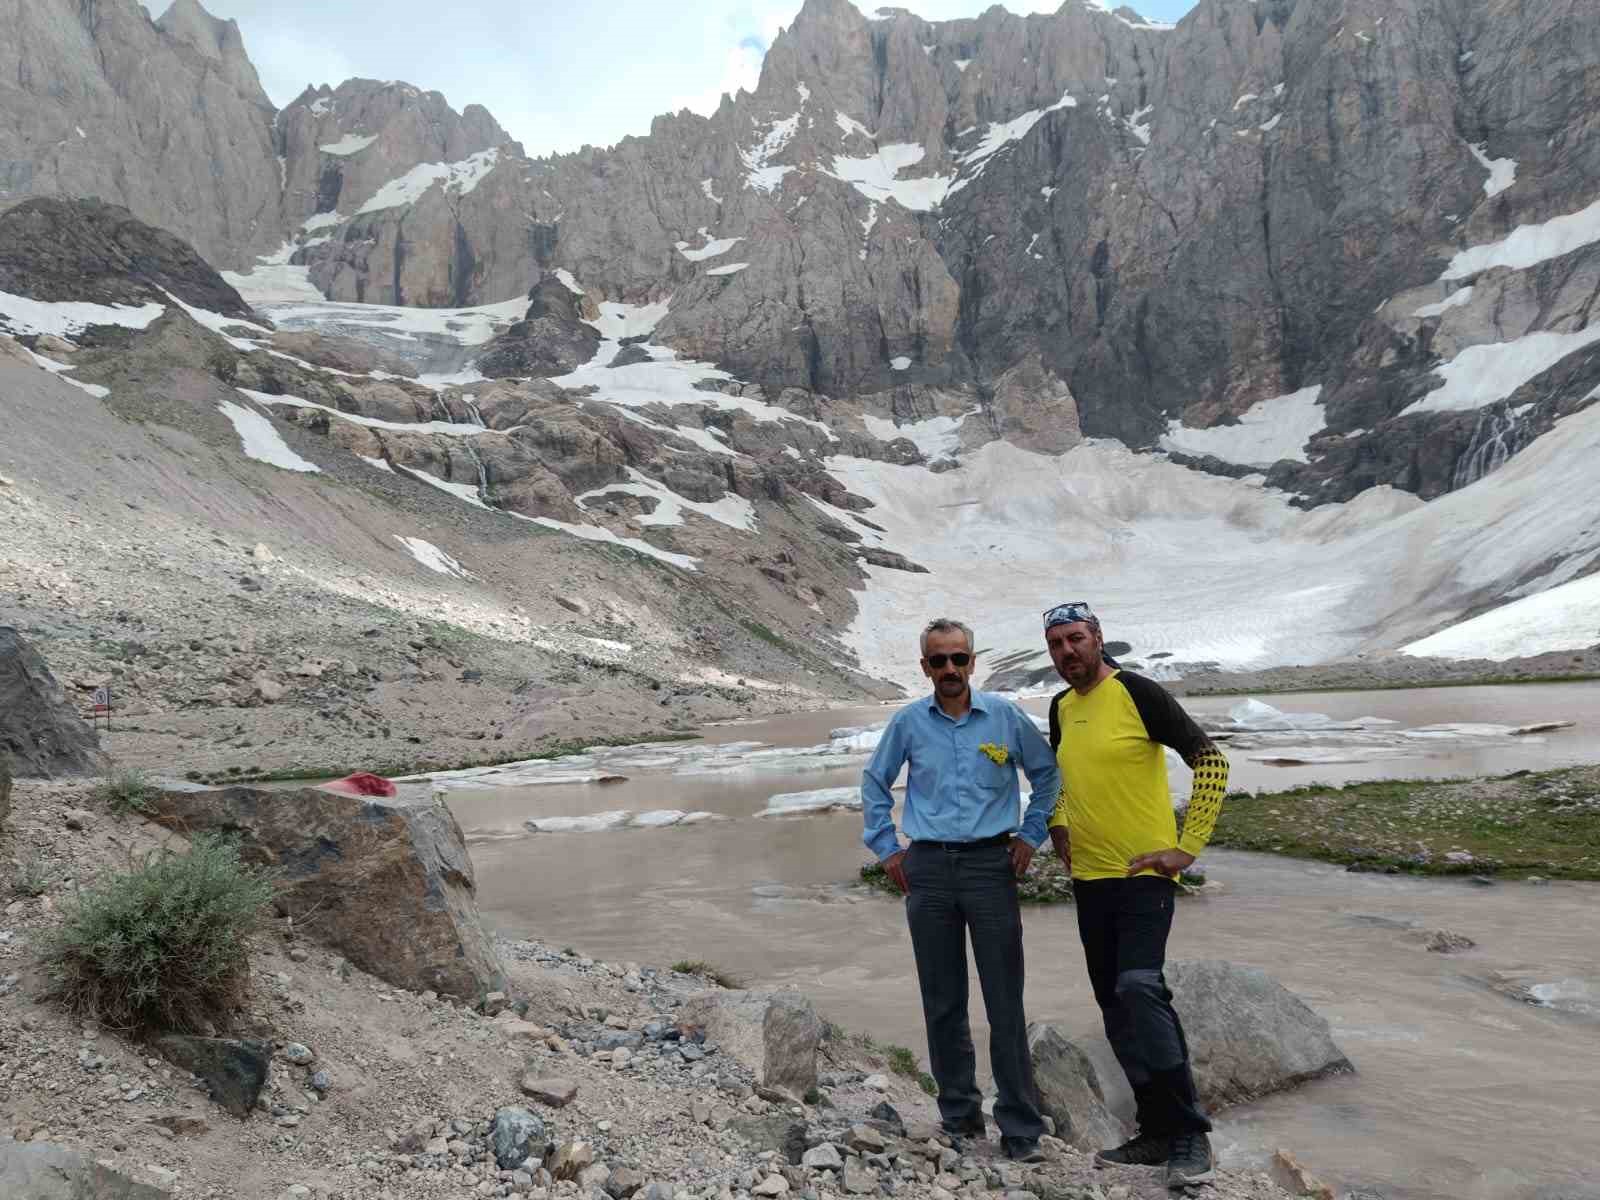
(1114, 826)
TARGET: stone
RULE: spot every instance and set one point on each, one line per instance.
(494, 1003)
(234, 1070)
(1070, 1092)
(388, 879)
(778, 1132)
(594, 1177)
(267, 689)
(859, 1180)
(877, 1082)
(774, 1033)
(568, 1160)
(889, 1116)
(298, 1054)
(1293, 1178)
(624, 1182)
(825, 1157)
(552, 1090)
(77, 819)
(1445, 941)
(182, 1124)
(866, 1139)
(40, 729)
(1248, 1035)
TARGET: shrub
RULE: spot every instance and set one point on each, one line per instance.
(33, 878)
(711, 971)
(125, 792)
(162, 946)
(904, 1062)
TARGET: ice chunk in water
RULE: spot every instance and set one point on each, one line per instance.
(821, 800)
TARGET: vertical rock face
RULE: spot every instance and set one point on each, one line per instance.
(40, 729)
(386, 882)
(164, 118)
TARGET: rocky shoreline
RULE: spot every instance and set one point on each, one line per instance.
(374, 1090)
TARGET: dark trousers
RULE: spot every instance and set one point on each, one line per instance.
(954, 890)
(1124, 924)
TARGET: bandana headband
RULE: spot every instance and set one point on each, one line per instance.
(1069, 613)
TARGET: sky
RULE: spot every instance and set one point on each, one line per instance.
(556, 76)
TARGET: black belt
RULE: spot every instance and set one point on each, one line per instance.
(999, 839)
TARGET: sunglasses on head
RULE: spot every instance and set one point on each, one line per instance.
(958, 659)
(1067, 613)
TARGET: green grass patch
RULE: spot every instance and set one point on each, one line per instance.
(33, 878)
(903, 1062)
(162, 946)
(1545, 823)
(125, 792)
(723, 979)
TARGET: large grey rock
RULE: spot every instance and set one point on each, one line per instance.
(39, 727)
(5, 785)
(43, 1171)
(774, 1033)
(516, 1136)
(234, 1070)
(386, 882)
(1248, 1035)
(1070, 1092)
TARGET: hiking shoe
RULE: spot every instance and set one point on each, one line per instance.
(1145, 1150)
(960, 1132)
(1190, 1162)
(1022, 1150)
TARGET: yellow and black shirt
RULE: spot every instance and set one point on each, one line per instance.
(1114, 799)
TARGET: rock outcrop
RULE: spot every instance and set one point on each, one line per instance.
(84, 250)
(40, 729)
(234, 1071)
(1248, 1035)
(386, 882)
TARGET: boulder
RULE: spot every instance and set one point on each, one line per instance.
(775, 1131)
(516, 1136)
(235, 1071)
(774, 1033)
(42, 1171)
(1248, 1035)
(1288, 1173)
(385, 881)
(39, 727)
(553, 1091)
(1069, 1090)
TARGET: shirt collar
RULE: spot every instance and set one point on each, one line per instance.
(980, 702)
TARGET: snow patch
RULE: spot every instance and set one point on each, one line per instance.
(448, 428)
(936, 437)
(877, 177)
(1502, 171)
(1484, 374)
(1000, 134)
(710, 250)
(1267, 432)
(1269, 126)
(1455, 299)
(849, 126)
(261, 439)
(350, 143)
(899, 362)
(962, 64)
(1529, 245)
(822, 800)
(64, 318)
(761, 173)
(730, 269)
(731, 510)
(432, 557)
(567, 281)
(1564, 618)
(323, 220)
(461, 177)
(706, 187)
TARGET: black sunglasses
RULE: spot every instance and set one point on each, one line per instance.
(937, 661)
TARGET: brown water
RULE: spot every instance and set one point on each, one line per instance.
(1462, 1091)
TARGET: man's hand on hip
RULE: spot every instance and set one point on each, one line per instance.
(895, 867)
(1164, 862)
(1062, 841)
(1021, 856)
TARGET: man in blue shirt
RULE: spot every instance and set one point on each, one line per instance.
(961, 872)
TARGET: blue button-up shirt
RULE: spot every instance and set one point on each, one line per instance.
(956, 792)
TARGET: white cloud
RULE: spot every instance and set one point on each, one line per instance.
(741, 68)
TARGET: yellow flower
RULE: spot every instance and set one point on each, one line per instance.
(998, 754)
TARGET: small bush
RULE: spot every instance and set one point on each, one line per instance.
(33, 878)
(163, 946)
(125, 792)
(904, 1062)
(710, 970)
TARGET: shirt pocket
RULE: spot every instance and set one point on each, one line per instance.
(992, 776)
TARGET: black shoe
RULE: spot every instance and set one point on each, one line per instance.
(1145, 1150)
(1190, 1163)
(962, 1131)
(1022, 1150)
